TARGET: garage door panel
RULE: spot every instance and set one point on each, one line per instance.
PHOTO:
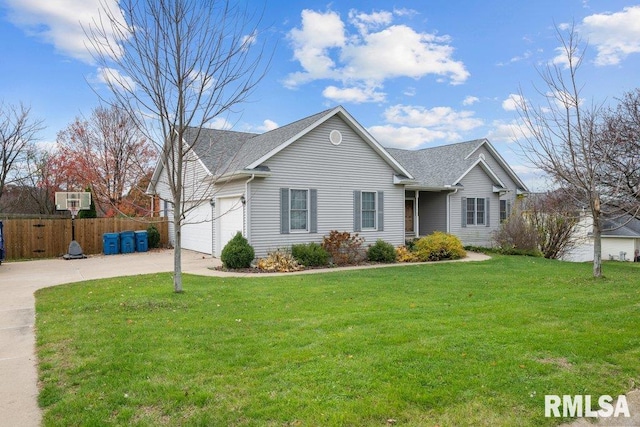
(196, 230)
(231, 219)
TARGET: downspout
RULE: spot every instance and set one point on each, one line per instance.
(245, 209)
(449, 208)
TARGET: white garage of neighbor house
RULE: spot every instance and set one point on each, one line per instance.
(325, 172)
(620, 240)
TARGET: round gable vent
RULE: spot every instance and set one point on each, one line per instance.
(335, 137)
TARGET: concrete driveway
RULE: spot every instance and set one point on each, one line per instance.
(19, 281)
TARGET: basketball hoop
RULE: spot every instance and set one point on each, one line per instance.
(73, 202)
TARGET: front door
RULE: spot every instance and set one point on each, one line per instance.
(409, 215)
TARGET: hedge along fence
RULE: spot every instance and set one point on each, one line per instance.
(50, 238)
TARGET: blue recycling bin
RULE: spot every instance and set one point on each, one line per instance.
(127, 242)
(142, 241)
(111, 243)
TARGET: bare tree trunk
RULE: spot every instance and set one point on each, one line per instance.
(177, 252)
(597, 249)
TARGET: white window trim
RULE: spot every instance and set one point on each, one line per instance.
(291, 229)
(375, 211)
(475, 212)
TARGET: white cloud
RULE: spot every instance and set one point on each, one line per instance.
(319, 33)
(353, 94)
(59, 22)
(614, 35)
(470, 100)
(111, 76)
(442, 118)
(365, 22)
(372, 53)
(413, 126)
(219, 123)
(408, 137)
(512, 102)
(507, 131)
(268, 125)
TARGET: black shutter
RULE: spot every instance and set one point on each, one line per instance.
(463, 211)
(313, 211)
(284, 211)
(357, 217)
(380, 210)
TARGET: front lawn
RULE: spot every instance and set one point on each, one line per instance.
(422, 345)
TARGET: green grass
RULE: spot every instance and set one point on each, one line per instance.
(446, 344)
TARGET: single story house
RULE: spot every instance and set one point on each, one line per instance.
(296, 183)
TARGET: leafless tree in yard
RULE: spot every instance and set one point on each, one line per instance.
(621, 148)
(563, 136)
(176, 65)
(18, 134)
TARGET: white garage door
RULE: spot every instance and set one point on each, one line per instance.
(231, 220)
(197, 233)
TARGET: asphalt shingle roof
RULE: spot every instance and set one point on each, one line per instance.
(621, 227)
(437, 167)
(224, 151)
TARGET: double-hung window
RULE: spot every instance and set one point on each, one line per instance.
(299, 210)
(476, 211)
(505, 210)
(369, 211)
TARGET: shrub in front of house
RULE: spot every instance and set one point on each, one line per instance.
(344, 248)
(153, 236)
(381, 251)
(310, 254)
(238, 253)
(404, 254)
(438, 246)
(279, 261)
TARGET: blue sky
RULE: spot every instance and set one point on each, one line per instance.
(414, 73)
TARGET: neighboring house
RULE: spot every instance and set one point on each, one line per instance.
(620, 239)
(296, 183)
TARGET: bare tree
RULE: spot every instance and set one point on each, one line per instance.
(111, 155)
(621, 147)
(18, 134)
(562, 136)
(177, 65)
(554, 218)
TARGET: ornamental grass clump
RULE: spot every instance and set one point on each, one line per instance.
(238, 253)
(279, 261)
(439, 246)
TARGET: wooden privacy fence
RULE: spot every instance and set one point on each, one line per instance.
(50, 238)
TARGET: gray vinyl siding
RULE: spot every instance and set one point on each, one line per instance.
(500, 173)
(312, 162)
(432, 207)
(477, 185)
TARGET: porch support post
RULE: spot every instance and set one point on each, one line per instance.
(416, 226)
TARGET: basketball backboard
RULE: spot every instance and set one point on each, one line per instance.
(73, 201)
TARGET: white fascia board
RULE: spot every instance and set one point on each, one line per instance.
(487, 170)
(486, 143)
